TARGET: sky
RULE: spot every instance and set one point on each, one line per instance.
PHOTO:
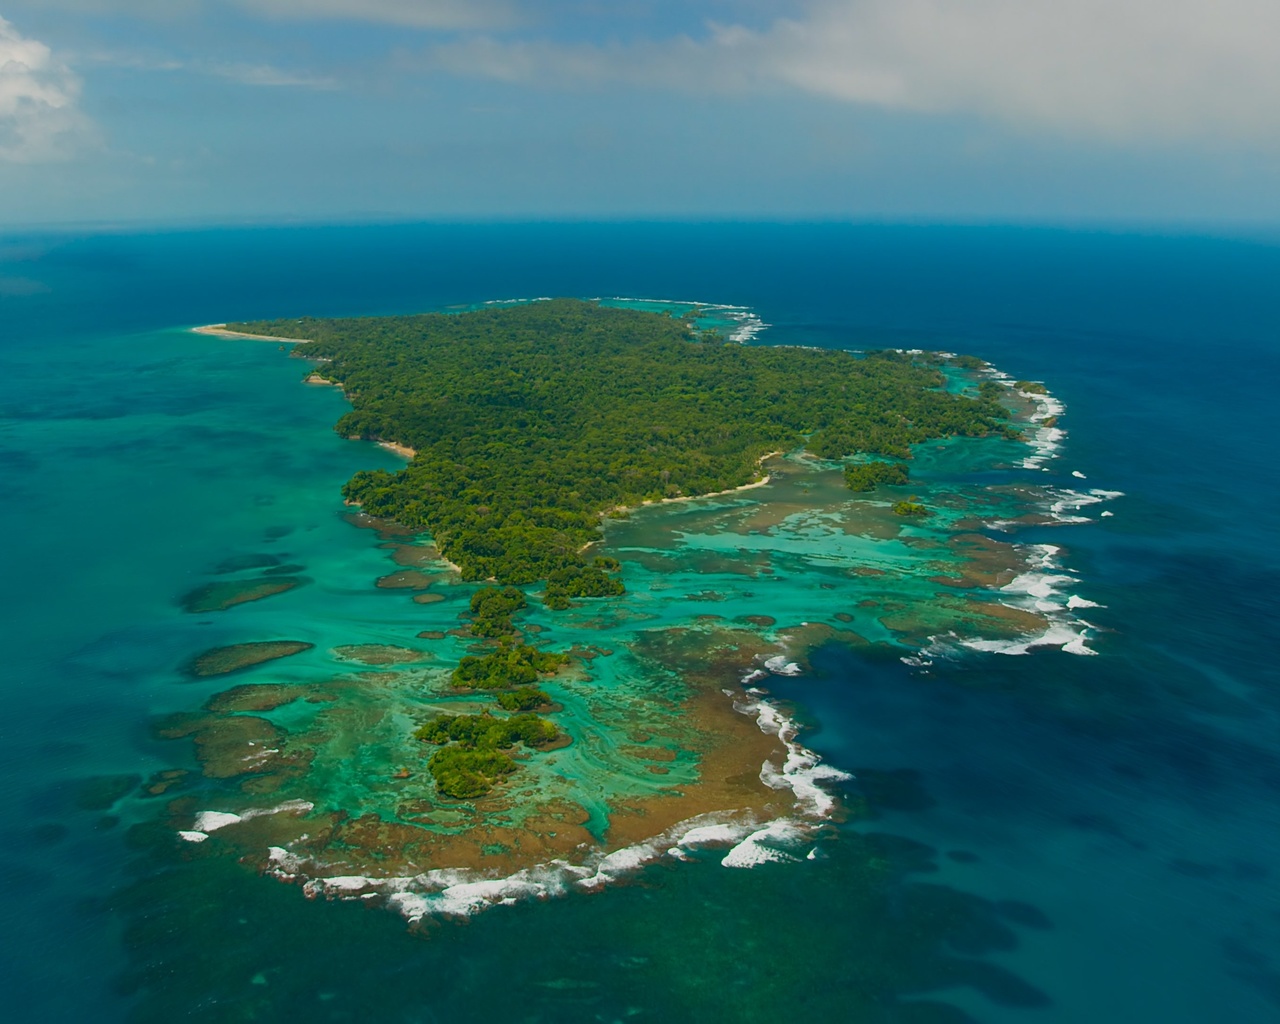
(1127, 111)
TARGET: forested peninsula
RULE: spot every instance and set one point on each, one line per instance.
(532, 422)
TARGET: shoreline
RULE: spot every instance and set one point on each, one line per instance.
(609, 513)
(220, 331)
(391, 446)
(723, 805)
(698, 497)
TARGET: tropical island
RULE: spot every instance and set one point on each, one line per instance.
(527, 425)
(487, 712)
(530, 423)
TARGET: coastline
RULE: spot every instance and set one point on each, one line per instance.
(698, 497)
(487, 852)
(220, 331)
(391, 446)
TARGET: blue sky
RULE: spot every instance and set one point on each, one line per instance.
(988, 110)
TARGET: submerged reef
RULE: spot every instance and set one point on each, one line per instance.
(221, 660)
(217, 597)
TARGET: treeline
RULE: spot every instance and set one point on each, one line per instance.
(532, 421)
(867, 476)
(471, 758)
(512, 664)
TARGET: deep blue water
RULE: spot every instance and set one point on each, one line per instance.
(1126, 807)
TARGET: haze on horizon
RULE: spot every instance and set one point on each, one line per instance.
(1024, 110)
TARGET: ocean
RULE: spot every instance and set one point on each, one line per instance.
(1082, 831)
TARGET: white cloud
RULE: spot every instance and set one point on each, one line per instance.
(39, 118)
(678, 63)
(1113, 69)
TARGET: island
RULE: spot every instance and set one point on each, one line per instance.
(575, 668)
(529, 423)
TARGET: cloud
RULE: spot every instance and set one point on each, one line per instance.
(1110, 68)
(1119, 70)
(39, 118)
(264, 75)
(679, 63)
(421, 14)
(450, 15)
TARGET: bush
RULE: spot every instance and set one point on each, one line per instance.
(910, 508)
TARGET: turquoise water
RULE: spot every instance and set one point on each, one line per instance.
(1038, 836)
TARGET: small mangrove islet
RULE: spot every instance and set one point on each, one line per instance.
(573, 697)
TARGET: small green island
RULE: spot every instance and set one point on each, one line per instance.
(528, 425)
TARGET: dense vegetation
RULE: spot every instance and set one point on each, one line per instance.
(465, 773)
(523, 698)
(867, 476)
(582, 581)
(487, 732)
(1032, 387)
(530, 422)
(492, 608)
(511, 664)
(910, 508)
(471, 760)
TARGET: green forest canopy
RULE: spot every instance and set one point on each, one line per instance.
(531, 422)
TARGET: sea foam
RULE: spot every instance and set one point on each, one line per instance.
(463, 893)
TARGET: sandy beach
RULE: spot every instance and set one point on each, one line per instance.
(399, 449)
(710, 494)
(220, 331)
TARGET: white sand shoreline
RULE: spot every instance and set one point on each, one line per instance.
(220, 331)
(710, 494)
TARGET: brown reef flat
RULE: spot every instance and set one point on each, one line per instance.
(410, 579)
(381, 654)
(217, 597)
(221, 660)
